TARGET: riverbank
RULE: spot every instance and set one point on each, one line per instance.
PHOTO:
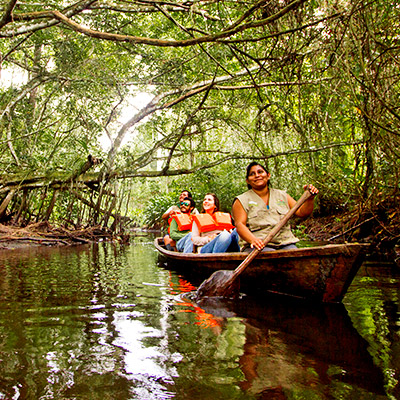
(44, 234)
(347, 227)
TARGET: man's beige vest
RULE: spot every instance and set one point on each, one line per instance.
(260, 219)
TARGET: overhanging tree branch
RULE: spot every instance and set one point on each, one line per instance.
(160, 102)
(236, 27)
(63, 180)
(7, 16)
(69, 12)
(186, 171)
(185, 126)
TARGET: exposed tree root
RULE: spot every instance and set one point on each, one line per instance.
(45, 234)
(378, 224)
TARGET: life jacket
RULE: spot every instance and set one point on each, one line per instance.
(169, 223)
(217, 221)
(184, 221)
(223, 220)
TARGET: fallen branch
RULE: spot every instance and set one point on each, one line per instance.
(35, 239)
(352, 228)
(68, 236)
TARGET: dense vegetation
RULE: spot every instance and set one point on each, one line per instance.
(309, 88)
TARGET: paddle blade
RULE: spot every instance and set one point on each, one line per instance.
(220, 283)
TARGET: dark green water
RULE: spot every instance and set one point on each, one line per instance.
(106, 322)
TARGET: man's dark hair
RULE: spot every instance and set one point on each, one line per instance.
(188, 193)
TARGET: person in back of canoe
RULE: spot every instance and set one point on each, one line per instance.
(212, 230)
(181, 223)
(168, 213)
(258, 210)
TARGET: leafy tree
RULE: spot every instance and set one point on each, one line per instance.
(308, 88)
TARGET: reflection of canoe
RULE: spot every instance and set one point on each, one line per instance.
(289, 343)
(323, 273)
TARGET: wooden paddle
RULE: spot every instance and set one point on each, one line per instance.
(222, 283)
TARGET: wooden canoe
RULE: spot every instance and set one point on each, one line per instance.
(321, 273)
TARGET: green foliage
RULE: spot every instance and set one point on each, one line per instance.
(156, 206)
(316, 102)
(226, 182)
(299, 231)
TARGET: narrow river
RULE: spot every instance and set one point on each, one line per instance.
(106, 321)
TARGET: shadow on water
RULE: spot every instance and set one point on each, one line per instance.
(106, 322)
(288, 341)
(356, 343)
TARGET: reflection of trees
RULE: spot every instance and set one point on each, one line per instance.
(107, 322)
(68, 311)
(210, 345)
(136, 307)
(374, 308)
(43, 333)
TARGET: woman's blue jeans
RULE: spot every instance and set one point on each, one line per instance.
(185, 244)
(224, 242)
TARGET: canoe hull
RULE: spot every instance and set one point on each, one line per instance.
(323, 273)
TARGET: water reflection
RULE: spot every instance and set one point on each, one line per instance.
(286, 350)
(374, 307)
(104, 321)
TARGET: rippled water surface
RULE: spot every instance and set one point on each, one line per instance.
(107, 322)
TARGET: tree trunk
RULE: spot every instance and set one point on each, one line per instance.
(5, 203)
(51, 205)
(43, 199)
